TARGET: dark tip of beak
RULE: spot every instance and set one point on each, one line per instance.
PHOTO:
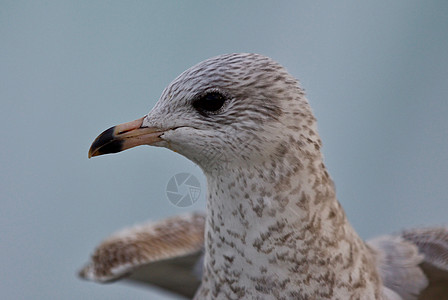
(106, 143)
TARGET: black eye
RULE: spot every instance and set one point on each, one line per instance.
(210, 102)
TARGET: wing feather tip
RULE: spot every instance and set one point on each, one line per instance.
(87, 273)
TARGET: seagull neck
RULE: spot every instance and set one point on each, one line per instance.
(279, 225)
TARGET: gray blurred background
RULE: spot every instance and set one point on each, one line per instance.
(376, 74)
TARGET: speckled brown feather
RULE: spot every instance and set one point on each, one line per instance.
(432, 243)
(132, 248)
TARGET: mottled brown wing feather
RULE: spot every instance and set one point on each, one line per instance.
(433, 244)
(163, 253)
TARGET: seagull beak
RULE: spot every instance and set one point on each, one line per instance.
(124, 136)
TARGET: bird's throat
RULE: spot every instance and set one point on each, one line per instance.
(272, 229)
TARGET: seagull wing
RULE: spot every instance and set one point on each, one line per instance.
(165, 253)
(432, 243)
(414, 264)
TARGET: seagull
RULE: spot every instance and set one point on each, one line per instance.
(273, 227)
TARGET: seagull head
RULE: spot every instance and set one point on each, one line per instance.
(231, 109)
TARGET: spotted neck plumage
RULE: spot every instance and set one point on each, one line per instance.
(273, 229)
